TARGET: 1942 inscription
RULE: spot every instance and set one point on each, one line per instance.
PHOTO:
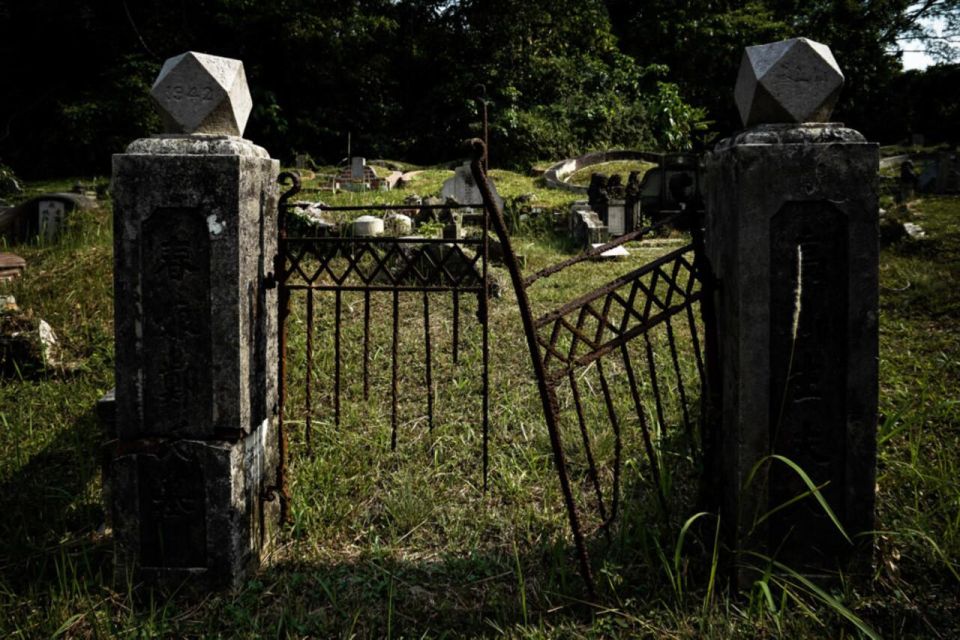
(189, 92)
(176, 323)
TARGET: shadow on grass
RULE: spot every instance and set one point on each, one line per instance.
(51, 512)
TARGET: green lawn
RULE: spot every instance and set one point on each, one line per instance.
(407, 543)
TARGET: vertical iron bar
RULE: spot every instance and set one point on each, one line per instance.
(429, 371)
(582, 421)
(283, 314)
(394, 373)
(485, 339)
(482, 101)
(645, 431)
(308, 427)
(547, 393)
(456, 327)
(336, 355)
(687, 426)
(695, 338)
(654, 383)
(617, 443)
(366, 345)
(710, 372)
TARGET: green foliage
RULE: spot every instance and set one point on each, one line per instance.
(400, 78)
(409, 536)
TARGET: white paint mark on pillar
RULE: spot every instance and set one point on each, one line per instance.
(214, 225)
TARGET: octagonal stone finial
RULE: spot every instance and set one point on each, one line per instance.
(200, 93)
(790, 81)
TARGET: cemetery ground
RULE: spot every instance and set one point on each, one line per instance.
(407, 543)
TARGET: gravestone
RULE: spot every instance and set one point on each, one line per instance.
(398, 224)
(792, 238)
(193, 471)
(366, 226)
(50, 216)
(616, 218)
(465, 191)
(11, 266)
(358, 167)
(908, 182)
(585, 225)
(948, 172)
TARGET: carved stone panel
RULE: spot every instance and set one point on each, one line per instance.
(808, 373)
(176, 353)
(173, 531)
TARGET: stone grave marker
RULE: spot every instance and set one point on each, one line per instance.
(367, 226)
(193, 471)
(50, 217)
(358, 168)
(464, 190)
(792, 235)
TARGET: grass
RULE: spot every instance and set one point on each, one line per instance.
(621, 167)
(407, 544)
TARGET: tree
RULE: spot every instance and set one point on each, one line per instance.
(701, 41)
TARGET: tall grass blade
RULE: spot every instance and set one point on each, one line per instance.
(813, 489)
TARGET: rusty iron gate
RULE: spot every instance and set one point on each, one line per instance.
(616, 324)
(638, 327)
(311, 264)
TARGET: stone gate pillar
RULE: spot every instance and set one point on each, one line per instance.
(792, 238)
(194, 463)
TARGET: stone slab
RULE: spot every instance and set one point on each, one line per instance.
(792, 236)
(194, 229)
(464, 190)
(612, 254)
(11, 266)
(193, 513)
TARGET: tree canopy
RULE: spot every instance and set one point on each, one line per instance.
(401, 77)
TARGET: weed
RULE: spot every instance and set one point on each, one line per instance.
(407, 543)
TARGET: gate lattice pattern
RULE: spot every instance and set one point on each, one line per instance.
(611, 332)
(400, 278)
(627, 362)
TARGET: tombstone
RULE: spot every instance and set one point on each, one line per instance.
(358, 176)
(428, 213)
(632, 201)
(614, 213)
(586, 227)
(948, 173)
(11, 266)
(616, 218)
(464, 190)
(50, 216)
(398, 224)
(908, 181)
(367, 226)
(792, 236)
(194, 469)
(358, 168)
(453, 228)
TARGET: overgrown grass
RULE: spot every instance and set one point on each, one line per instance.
(619, 167)
(407, 543)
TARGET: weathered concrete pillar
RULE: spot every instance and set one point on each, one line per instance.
(195, 458)
(792, 238)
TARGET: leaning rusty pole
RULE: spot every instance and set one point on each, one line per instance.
(547, 393)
